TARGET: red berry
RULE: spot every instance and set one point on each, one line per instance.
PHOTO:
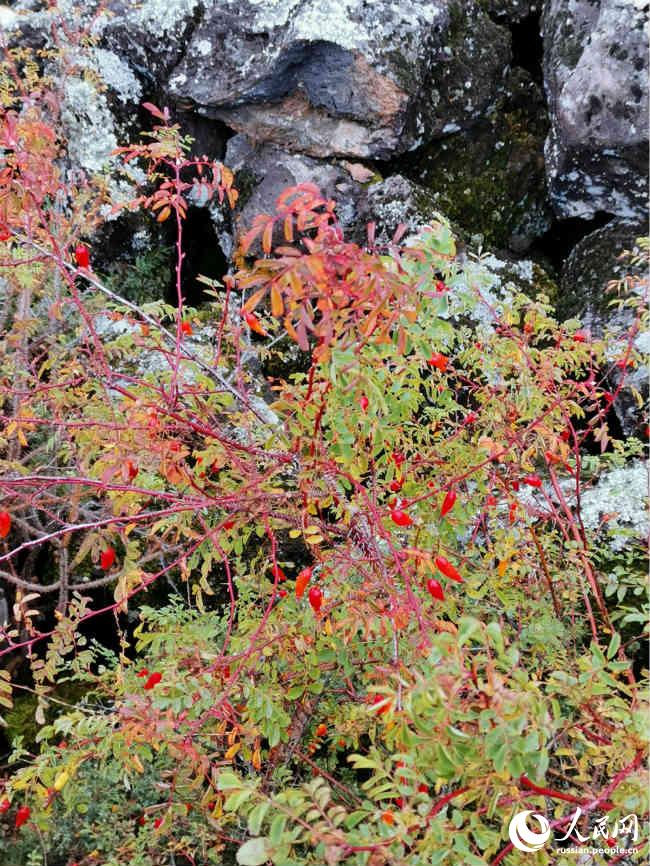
(158, 823)
(254, 324)
(315, 598)
(399, 802)
(5, 523)
(364, 402)
(423, 789)
(5, 805)
(186, 328)
(107, 558)
(441, 287)
(378, 699)
(491, 500)
(130, 470)
(321, 730)
(143, 673)
(398, 458)
(82, 256)
(278, 574)
(401, 518)
(532, 481)
(302, 580)
(447, 569)
(448, 503)
(434, 589)
(22, 816)
(580, 337)
(282, 593)
(228, 524)
(5, 234)
(396, 484)
(439, 361)
(142, 820)
(153, 680)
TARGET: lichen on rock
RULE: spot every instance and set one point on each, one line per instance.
(490, 178)
(596, 76)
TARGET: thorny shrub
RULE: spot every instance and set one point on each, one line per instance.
(385, 628)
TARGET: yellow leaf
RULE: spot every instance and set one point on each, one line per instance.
(61, 780)
(232, 751)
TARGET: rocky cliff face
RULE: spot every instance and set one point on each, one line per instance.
(444, 92)
(394, 108)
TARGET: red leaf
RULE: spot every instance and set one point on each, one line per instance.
(148, 106)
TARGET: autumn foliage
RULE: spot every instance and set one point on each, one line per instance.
(354, 613)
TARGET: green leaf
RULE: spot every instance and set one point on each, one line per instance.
(466, 628)
(277, 829)
(614, 644)
(228, 780)
(236, 799)
(256, 818)
(255, 852)
(494, 633)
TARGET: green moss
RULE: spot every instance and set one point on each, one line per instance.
(593, 262)
(491, 179)
(544, 284)
(21, 719)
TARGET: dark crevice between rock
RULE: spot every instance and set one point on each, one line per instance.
(551, 250)
(203, 256)
(528, 45)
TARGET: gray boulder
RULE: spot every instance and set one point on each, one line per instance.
(263, 171)
(596, 78)
(342, 77)
(591, 266)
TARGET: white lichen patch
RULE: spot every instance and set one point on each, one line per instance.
(351, 24)
(117, 75)
(620, 496)
(204, 47)
(162, 17)
(89, 125)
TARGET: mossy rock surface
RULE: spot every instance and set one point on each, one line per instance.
(490, 179)
(592, 264)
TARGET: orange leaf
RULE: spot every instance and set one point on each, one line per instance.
(163, 215)
(254, 300)
(291, 331)
(267, 236)
(277, 304)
